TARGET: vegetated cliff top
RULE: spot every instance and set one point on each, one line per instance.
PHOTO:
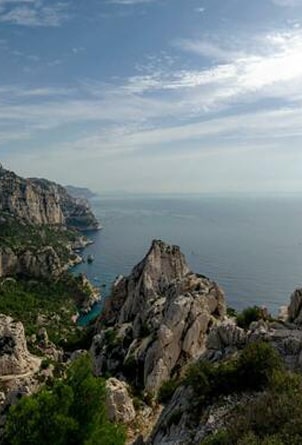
(42, 202)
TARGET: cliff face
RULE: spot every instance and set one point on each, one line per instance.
(29, 202)
(39, 223)
(160, 316)
(38, 201)
(76, 211)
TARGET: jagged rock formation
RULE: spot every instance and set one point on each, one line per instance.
(15, 360)
(118, 402)
(158, 319)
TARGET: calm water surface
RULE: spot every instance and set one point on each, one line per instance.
(251, 246)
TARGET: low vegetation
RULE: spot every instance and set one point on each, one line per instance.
(19, 236)
(51, 304)
(70, 412)
(272, 418)
(248, 315)
(250, 371)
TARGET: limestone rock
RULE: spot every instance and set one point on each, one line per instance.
(160, 317)
(14, 356)
(226, 334)
(41, 263)
(38, 201)
(295, 307)
(118, 402)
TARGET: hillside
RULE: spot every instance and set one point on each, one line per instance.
(41, 225)
(192, 366)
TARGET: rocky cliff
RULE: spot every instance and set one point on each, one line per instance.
(157, 319)
(38, 201)
(39, 226)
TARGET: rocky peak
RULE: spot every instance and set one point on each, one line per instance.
(132, 295)
(159, 317)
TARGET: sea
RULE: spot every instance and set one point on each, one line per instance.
(250, 245)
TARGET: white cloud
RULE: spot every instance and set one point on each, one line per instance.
(164, 109)
(33, 13)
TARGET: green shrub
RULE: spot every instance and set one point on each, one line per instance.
(248, 315)
(71, 412)
(231, 312)
(219, 438)
(270, 418)
(256, 365)
(167, 390)
(252, 370)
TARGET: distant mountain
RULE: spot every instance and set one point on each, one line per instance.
(80, 192)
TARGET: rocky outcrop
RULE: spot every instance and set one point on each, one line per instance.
(158, 319)
(38, 201)
(118, 402)
(15, 360)
(41, 263)
(295, 307)
(88, 296)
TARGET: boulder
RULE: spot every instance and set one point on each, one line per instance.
(14, 356)
(118, 402)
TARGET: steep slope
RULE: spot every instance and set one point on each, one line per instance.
(42, 202)
(39, 226)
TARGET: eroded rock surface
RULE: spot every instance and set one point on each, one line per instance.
(15, 360)
(118, 402)
(38, 201)
(158, 319)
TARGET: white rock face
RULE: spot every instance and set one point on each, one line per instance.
(295, 307)
(226, 334)
(118, 402)
(160, 315)
(38, 201)
(14, 356)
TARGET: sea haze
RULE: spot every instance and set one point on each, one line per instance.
(251, 246)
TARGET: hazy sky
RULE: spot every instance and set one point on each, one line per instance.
(153, 95)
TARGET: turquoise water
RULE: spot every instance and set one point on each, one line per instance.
(251, 246)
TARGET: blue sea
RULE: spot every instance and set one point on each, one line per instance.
(251, 246)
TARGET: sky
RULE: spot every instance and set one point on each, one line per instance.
(153, 96)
